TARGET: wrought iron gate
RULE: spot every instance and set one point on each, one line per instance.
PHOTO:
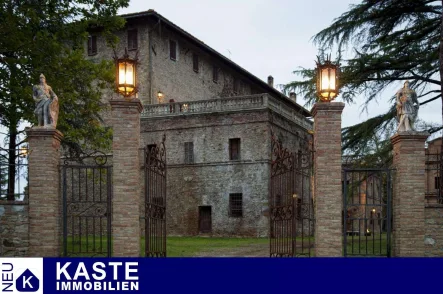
(290, 200)
(367, 212)
(87, 206)
(155, 200)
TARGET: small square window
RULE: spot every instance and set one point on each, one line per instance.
(132, 39)
(195, 62)
(234, 149)
(215, 70)
(189, 152)
(173, 50)
(236, 205)
(92, 45)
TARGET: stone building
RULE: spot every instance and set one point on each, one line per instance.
(433, 171)
(217, 118)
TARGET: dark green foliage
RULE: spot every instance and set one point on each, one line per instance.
(49, 37)
(388, 41)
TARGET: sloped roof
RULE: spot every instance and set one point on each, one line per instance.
(202, 45)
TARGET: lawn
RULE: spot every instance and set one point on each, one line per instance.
(205, 246)
(195, 246)
(176, 246)
(367, 245)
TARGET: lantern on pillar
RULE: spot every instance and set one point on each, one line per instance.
(327, 80)
(126, 75)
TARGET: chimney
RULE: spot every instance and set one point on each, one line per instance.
(293, 96)
(271, 81)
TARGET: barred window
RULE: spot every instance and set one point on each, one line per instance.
(236, 205)
(195, 62)
(234, 149)
(189, 152)
(215, 70)
(173, 50)
(132, 39)
(92, 45)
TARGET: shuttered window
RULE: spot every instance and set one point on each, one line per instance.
(189, 152)
(173, 50)
(235, 205)
(195, 62)
(234, 149)
(132, 39)
(92, 45)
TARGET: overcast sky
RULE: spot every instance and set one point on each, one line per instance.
(268, 37)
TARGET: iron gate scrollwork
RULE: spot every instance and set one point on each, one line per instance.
(87, 206)
(155, 200)
(367, 211)
(290, 201)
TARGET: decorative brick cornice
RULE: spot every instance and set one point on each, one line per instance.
(327, 106)
(126, 103)
(409, 136)
(37, 131)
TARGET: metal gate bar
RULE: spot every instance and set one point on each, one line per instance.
(290, 200)
(155, 200)
(87, 208)
(367, 212)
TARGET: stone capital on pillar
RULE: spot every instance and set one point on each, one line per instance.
(126, 103)
(44, 196)
(408, 201)
(328, 202)
(125, 117)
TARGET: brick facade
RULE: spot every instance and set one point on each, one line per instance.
(44, 200)
(408, 203)
(328, 203)
(126, 177)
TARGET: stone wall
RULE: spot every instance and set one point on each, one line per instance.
(176, 79)
(434, 230)
(212, 177)
(14, 229)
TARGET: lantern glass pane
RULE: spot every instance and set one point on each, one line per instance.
(129, 74)
(331, 79)
(121, 73)
(325, 79)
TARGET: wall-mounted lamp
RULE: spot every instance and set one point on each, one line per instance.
(23, 151)
(160, 96)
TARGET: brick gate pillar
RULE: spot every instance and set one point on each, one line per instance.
(408, 204)
(328, 202)
(125, 118)
(44, 197)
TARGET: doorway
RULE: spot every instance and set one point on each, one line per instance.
(204, 219)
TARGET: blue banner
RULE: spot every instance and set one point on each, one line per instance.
(218, 275)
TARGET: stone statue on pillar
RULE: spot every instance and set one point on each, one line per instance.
(46, 104)
(407, 108)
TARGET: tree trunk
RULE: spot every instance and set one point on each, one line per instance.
(12, 168)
